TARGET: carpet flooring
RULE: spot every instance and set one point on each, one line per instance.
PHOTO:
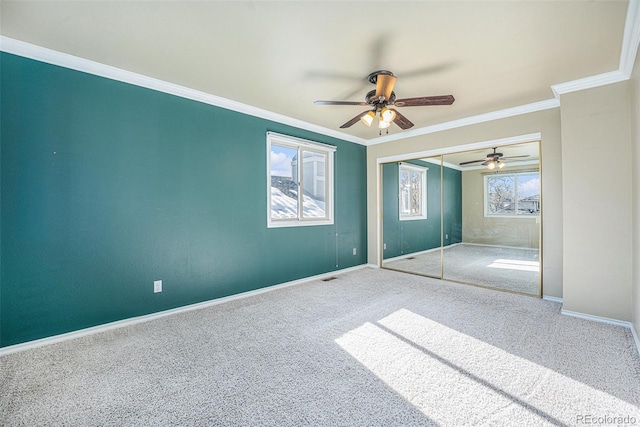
(370, 348)
(497, 267)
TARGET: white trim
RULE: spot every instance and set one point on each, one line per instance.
(149, 317)
(552, 299)
(627, 58)
(370, 265)
(499, 246)
(588, 83)
(607, 320)
(299, 141)
(49, 56)
(600, 319)
(400, 257)
(445, 164)
(630, 39)
(301, 145)
(465, 147)
(515, 174)
(507, 165)
(422, 170)
(481, 118)
(635, 337)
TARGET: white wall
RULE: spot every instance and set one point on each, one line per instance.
(597, 201)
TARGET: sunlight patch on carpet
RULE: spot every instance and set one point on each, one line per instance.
(456, 379)
(515, 264)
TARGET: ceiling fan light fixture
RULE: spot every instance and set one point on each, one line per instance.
(387, 115)
(383, 124)
(367, 119)
(491, 165)
(500, 164)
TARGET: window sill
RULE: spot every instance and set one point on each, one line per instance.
(298, 223)
(413, 218)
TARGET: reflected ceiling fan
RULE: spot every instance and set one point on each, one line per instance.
(493, 160)
(382, 98)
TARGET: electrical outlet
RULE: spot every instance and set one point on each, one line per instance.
(157, 286)
(384, 246)
(354, 251)
(446, 236)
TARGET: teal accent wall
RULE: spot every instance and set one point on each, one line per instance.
(107, 187)
(405, 237)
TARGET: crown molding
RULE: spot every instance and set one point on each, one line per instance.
(630, 42)
(446, 164)
(65, 60)
(630, 39)
(481, 118)
(530, 137)
(588, 82)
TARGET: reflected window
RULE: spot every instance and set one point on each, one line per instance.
(300, 182)
(412, 196)
(512, 194)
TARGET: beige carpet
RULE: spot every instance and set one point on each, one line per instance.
(498, 267)
(371, 348)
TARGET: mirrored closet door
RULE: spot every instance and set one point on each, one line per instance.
(412, 216)
(471, 217)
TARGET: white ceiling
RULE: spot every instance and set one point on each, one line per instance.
(281, 56)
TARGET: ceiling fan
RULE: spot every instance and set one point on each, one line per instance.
(383, 97)
(493, 160)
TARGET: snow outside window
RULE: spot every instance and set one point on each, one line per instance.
(512, 194)
(412, 196)
(300, 182)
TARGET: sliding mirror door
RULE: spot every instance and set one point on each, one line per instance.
(499, 243)
(412, 216)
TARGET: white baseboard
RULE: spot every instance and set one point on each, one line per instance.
(153, 316)
(635, 337)
(601, 319)
(397, 258)
(552, 299)
(596, 318)
(499, 246)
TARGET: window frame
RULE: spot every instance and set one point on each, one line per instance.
(302, 145)
(423, 193)
(515, 174)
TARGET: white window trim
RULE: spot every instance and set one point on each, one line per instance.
(423, 201)
(297, 143)
(486, 195)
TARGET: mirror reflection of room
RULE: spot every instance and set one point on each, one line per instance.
(412, 215)
(487, 203)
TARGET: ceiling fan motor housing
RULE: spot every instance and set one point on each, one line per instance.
(370, 98)
(373, 77)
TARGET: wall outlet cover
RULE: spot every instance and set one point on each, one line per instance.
(157, 286)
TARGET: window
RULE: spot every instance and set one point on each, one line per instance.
(512, 194)
(300, 182)
(412, 194)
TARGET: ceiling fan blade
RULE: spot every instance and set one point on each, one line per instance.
(425, 100)
(472, 161)
(515, 157)
(339, 103)
(354, 120)
(384, 85)
(401, 121)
